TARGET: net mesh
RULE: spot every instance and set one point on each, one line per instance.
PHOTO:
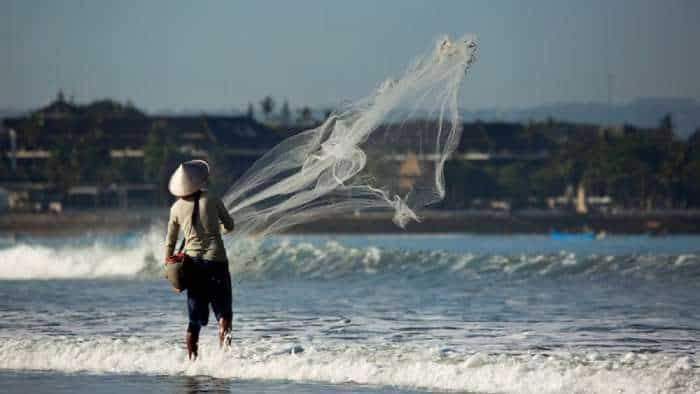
(383, 152)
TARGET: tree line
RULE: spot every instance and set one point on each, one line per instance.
(636, 168)
(268, 107)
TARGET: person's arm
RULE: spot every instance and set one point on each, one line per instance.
(171, 238)
(224, 216)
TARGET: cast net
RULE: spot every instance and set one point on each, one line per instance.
(383, 152)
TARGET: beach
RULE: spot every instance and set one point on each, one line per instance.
(360, 313)
(409, 197)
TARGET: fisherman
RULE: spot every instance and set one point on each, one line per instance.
(202, 218)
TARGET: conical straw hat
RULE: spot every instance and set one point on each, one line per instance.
(189, 177)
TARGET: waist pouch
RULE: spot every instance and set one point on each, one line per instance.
(177, 270)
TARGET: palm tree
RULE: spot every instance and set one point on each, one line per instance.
(285, 113)
(305, 115)
(267, 105)
(251, 112)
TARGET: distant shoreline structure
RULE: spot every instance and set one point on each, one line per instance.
(433, 222)
(639, 112)
(109, 155)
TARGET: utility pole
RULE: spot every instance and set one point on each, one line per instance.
(611, 86)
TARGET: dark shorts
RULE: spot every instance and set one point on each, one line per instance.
(210, 283)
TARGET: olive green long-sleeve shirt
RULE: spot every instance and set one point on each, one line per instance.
(204, 239)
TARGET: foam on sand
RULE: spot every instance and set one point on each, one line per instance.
(389, 365)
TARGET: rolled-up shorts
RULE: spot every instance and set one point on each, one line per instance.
(210, 284)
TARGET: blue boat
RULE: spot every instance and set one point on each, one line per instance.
(559, 236)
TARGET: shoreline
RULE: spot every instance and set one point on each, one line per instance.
(434, 222)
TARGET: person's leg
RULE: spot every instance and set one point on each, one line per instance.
(192, 339)
(225, 331)
(221, 302)
(198, 311)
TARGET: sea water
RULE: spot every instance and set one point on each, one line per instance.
(373, 313)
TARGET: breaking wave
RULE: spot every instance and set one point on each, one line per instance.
(139, 257)
(399, 365)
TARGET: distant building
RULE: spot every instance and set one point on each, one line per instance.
(29, 141)
(4, 200)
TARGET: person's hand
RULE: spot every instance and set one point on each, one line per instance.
(173, 259)
(177, 290)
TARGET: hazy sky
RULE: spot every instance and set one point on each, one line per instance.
(222, 54)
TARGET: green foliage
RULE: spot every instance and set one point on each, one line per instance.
(638, 168)
(465, 182)
(80, 159)
(305, 115)
(547, 181)
(224, 170)
(250, 112)
(104, 108)
(643, 169)
(5, 170)
(513, 179)
(160, 158)
(285, 113)
(267, 106)
(690, 178)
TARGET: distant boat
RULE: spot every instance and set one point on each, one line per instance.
(559, 236)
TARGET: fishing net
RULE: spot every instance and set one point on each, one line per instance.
(383, 152)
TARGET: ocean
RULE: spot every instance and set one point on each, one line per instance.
(359, 314)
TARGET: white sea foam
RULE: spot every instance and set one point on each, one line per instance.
(96, 259)
(25, 261)
(141, 257)
(396, 365)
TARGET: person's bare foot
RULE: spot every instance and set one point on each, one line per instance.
(225, 333)
(192, 340)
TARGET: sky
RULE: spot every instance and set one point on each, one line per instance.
(212, 55)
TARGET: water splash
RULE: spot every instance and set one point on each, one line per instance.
(282, 258)
(398, 366)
